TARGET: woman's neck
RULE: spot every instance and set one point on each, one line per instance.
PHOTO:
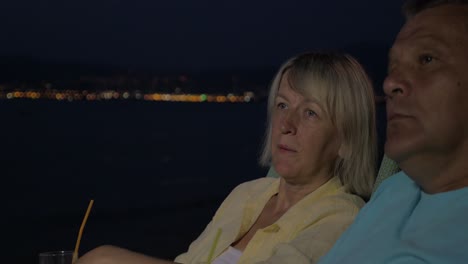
(291, 193)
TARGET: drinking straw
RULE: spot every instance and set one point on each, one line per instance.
(213, 246)
(77, 246)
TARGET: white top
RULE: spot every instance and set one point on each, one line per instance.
(230, 256)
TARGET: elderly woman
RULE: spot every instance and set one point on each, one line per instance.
(321, 141)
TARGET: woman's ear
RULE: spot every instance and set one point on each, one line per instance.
(343, 151)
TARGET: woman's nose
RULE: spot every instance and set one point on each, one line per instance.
(288, 125)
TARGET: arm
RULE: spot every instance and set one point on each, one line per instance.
(116, 255)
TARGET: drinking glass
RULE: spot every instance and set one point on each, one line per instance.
(56, 257)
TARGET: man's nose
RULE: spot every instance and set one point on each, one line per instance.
(395, 84)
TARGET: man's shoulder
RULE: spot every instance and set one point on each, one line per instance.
(397, 183)
(394, 194)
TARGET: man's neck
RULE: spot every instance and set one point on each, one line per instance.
(438, 173)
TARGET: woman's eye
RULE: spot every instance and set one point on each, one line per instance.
(425, 59)
(310, 113)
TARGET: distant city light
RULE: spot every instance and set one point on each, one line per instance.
(74, 95)
(203, 97)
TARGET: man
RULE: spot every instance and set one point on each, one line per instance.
(420, 215)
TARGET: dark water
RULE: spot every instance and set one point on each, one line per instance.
(157, 172)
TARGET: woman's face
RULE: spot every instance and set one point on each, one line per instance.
(305, 143)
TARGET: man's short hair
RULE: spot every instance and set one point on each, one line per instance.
(413, 7)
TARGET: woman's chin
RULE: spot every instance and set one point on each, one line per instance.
(284, 171)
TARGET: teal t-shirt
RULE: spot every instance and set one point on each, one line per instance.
(402, 224)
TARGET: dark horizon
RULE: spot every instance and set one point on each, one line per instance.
(29, 69)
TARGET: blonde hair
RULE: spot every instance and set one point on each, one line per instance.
(347, 96)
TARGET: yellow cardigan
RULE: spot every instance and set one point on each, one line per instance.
(302, 235)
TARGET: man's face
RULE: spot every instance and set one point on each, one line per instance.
(427, 86)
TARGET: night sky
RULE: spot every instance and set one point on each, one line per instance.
(192, 34)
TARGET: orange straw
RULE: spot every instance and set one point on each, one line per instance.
(77, 246)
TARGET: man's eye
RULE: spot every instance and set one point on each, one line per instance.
(281, 106)
(425, 59)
